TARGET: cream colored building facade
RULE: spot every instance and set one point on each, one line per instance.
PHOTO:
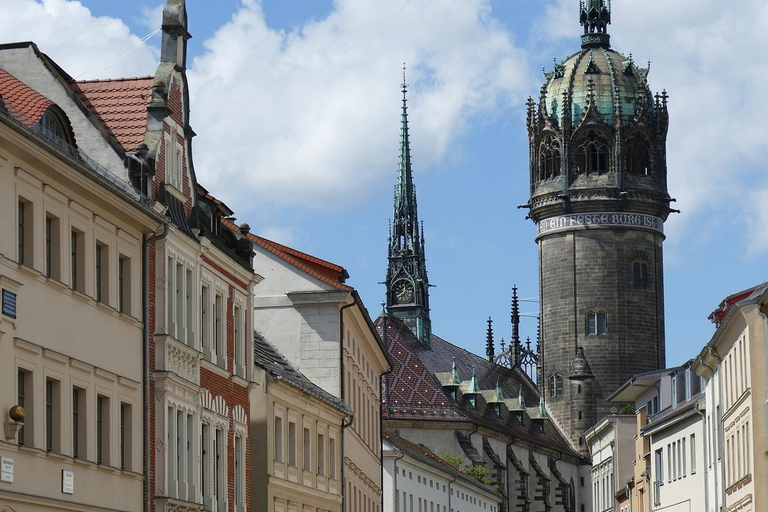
(322, 328)
(611, 445)
(71, 329)
(734, 366)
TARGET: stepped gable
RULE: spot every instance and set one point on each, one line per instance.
(120, 106)
(275, 364)
(22, 102)
(414, 391)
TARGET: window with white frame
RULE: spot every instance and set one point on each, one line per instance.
(173, 159)
(180, 300)
(220, 458)
(205, 320)
(181, 453)
(240, 433)
(219, 343)
(239, 336)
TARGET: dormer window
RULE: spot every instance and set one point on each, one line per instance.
(53, 127)
(472, 400)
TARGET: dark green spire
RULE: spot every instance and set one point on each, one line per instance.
(407, 284)
(595, 16)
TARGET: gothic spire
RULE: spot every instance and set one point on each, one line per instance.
(405, 197)
(595, 16)
(514, 343)
(489, 348)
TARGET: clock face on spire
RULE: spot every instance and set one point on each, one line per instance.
(403, 291)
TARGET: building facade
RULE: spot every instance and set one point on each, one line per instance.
(733, 365)
(598, 197)
(71, 329)
(296, 430)
(611, 445)
(417, 479)
(321, 326)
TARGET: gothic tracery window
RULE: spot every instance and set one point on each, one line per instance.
(591, 153)
(549, 158)
(638, 156)
(555, 385)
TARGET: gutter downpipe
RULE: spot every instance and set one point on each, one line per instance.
(394, 483)
(693, 450)
(450, 493)
(147, 398)
(344, 426)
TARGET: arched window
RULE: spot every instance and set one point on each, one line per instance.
(550, 160)
(591, 153)
(53, 127)
(638, 156)
(555, 385)
(596, 323)
(640, 274)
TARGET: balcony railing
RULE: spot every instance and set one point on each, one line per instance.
(657, 493)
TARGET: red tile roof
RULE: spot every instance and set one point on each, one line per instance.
(120, 105)
(325, 271)
(22, 102)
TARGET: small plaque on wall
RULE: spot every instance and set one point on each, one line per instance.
(6, 475)
(9, 303)
(67, 481)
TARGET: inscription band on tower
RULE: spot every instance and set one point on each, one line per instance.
(597, 221)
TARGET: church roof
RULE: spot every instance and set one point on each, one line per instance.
(120, 105)
(413, 390)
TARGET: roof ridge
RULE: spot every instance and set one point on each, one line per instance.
(119, 79)
(300, 254)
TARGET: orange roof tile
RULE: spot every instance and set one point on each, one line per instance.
(120, 105)
(22, 102)
(325, 271)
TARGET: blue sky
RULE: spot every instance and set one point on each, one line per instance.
(296, 109)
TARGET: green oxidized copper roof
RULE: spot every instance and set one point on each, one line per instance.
(404, 195)
(617, 84)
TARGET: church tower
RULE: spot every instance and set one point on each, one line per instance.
(598, 197)
(407, 283)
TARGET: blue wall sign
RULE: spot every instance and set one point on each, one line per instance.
(9, 303)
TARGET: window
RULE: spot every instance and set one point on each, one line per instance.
(638, 156)
(332, 458)
(126, 436)
(640, 273)
(102, 430)
(79, 441)
(52, 247)
(52, 404)
(555, 385)
(220, 492)
(205, 322)
(124, 284)
(173, 159)
(77, 253)
(218, 342)
(25, 233)
(693, 453)
(206, 470)
(659, 454)
(239, 342)
(24, 398)
(278, 439)
(291, 443)
(321, 454)
(591, 153)
(596, 323)
(549, 158)
(238, 483)
(102, 272)
(306, 453)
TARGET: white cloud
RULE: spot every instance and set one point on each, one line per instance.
(70, 34)
(311, 116)
(710, 56)
(152, 17)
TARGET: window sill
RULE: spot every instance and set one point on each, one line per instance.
(175, 192)
(213, 367)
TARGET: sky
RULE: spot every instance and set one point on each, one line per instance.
(296, 107)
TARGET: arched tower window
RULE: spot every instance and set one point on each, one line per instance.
(555, 385)
(638, 156)
(596, 323)
(591, 153)
(640, 274)
(550, 161)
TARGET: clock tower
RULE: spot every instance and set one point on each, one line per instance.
(407, 284)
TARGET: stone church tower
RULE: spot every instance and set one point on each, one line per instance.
(599, 201)
(407, 283)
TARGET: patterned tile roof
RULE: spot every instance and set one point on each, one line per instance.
(413, 391)
(120, 104)
(274, 363)
(22, 102)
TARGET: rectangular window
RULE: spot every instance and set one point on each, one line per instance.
(180, 333)
(332, 458)
(205, 473)
(205, 321)
(291, 443)
(170, 296)
(306, 453)
(189, 290)
(218, 342)
(25, 233)
(77, 255)
(239, 344)
(320, 454)
(126, 436)
(24, 397)
(79, 441)
(221, 481)
(238, 484)
(693, 453)
(102, 430)
(102, 272)
(659, 454)
(52, 415)
(684, 459)
(124, 284)
(52, 247)
(278, 439)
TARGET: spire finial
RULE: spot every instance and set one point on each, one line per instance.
(514, 342)
(489, 348)
(595, 16)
